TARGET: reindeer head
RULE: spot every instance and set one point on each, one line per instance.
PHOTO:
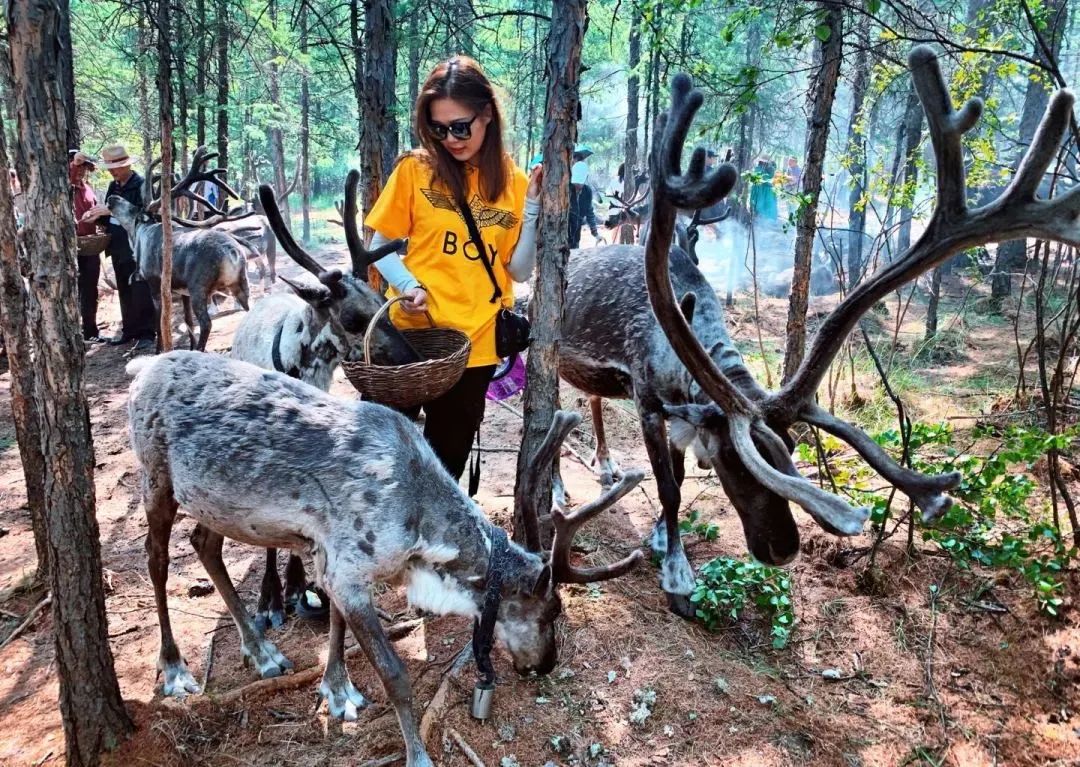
(346, 301)
(529, 611)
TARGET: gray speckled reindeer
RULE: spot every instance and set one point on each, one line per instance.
(262, 458)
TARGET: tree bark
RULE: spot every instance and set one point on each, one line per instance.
(305, 127)
(182, 107)
(820, 100)
(90, 704)
(222, 23)
(164, 84)
(569, 21)
(274, 135)
(358, 66)
(913, 120)
(200, 72)
(67, 75)
(143, 43)
(414, 70)
(1011, 255)
(856, 151)
(378, 133)
(13, 311)
(630, 154)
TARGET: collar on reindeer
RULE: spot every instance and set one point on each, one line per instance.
(484, 626)
(275, 355)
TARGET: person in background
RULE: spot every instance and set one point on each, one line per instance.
(581, 198)
(792, 176)
(763, 194)
(136, 306)
(461, 159)
(84, 199)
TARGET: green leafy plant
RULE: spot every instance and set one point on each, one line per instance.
(726, 587)
(693, 523)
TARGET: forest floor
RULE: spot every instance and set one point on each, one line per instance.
(892, 677)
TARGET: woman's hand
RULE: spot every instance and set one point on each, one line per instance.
(416, 302)
(96, 212)
(535, 177)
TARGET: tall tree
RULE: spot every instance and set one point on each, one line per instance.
(164, 84)
(142, 46)
(569, 21)
(222, 44)
(90, 704)
(1012, 255)
(414, 69)
(856, 152)
(630, 153)
(305, 124)
(274, 134)
(178, 43)
(378, 130)
(67, 74)
(201, 56)
(913, 122)
(819, 103)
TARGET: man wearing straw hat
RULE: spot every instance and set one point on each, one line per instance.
(136, 305)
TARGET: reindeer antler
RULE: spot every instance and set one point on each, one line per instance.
(361, 257)
(284, 236)
(698, 189)
(183, 188)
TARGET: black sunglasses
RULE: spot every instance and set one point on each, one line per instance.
(459, 129)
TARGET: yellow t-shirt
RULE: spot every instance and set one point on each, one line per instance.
(442, 256)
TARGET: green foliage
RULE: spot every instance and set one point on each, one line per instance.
(727, 587)
(708, 531)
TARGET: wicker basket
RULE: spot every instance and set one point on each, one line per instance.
(445, 353)
(92, 244)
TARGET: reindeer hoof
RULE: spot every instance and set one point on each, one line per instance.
(681, 605)
(311, 604)
(179, 681)
(343, 701)
(267, 658)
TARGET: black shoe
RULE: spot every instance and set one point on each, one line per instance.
(120, 340)
(145, 345)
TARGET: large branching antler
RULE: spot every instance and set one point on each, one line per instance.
(1016, 214)
(361, 257)
(694, 190)
(284, 236)
(567, 525)
(197, 172)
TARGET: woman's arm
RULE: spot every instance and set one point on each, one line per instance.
(392, 268)
(524, 258)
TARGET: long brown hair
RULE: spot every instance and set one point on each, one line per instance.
(461, 79)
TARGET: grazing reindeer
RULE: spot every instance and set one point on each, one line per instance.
(204, 261)
(306, 336)
(676, 361)
(268, 460)
(258, 235)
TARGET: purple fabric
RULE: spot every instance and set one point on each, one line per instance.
(509, 384)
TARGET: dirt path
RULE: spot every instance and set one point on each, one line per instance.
(993, 689)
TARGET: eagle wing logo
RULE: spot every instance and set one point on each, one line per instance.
(484, 215)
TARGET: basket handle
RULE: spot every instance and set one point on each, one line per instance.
(378, 316)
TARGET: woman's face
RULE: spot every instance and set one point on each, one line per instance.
(447, 112)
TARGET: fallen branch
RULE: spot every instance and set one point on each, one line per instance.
(29, 619)
(301, 678)
(208, 664)
(465, 748)
(437, 707)
(383, 761)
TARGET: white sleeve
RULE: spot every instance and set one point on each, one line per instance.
(392, 268)
(524, 258)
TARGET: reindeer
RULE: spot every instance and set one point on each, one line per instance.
(205, 261)
(306, 336)
(266, 459)
(633, 215)
(633, 339)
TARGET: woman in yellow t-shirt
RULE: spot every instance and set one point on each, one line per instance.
(459, 126)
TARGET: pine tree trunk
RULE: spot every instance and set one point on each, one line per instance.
(13, 311)
(565, 38)
(379, 128)
(67, 74)
(143, 43)
(90, 704)
(164, 84)
(358, 64)
(932, 305)
(274, 135)
(305, 129)
(913, 120)
(182, 105)
(414, 70)
(820, 100)
(200, 72)
(630, 155)
(222, 23)
(856, 151)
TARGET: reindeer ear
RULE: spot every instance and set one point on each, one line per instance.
(318, 296)
(543, 582)
(698, 416)
(686, 306)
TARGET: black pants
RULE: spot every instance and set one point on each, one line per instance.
(89, 271)
(451, 420)
(136, 307)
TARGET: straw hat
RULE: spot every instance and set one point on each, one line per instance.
(115, 156)
(82, 158)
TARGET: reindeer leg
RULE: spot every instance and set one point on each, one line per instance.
(676, 575)
(271, 257)
(189, 320)
(271, 612)
(355, 603)
(601, 460)
(160, 505)
(343, 700)
(252, 643)
(198, 303)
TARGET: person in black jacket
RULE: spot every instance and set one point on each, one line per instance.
(136, 304)
(581, 202)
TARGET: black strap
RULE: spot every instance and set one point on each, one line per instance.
(474, 466)
(478, 241)
(484, 626)
(275, 355)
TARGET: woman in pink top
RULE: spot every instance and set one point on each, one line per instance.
(89, 266)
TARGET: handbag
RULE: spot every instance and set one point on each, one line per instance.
(511, 329)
